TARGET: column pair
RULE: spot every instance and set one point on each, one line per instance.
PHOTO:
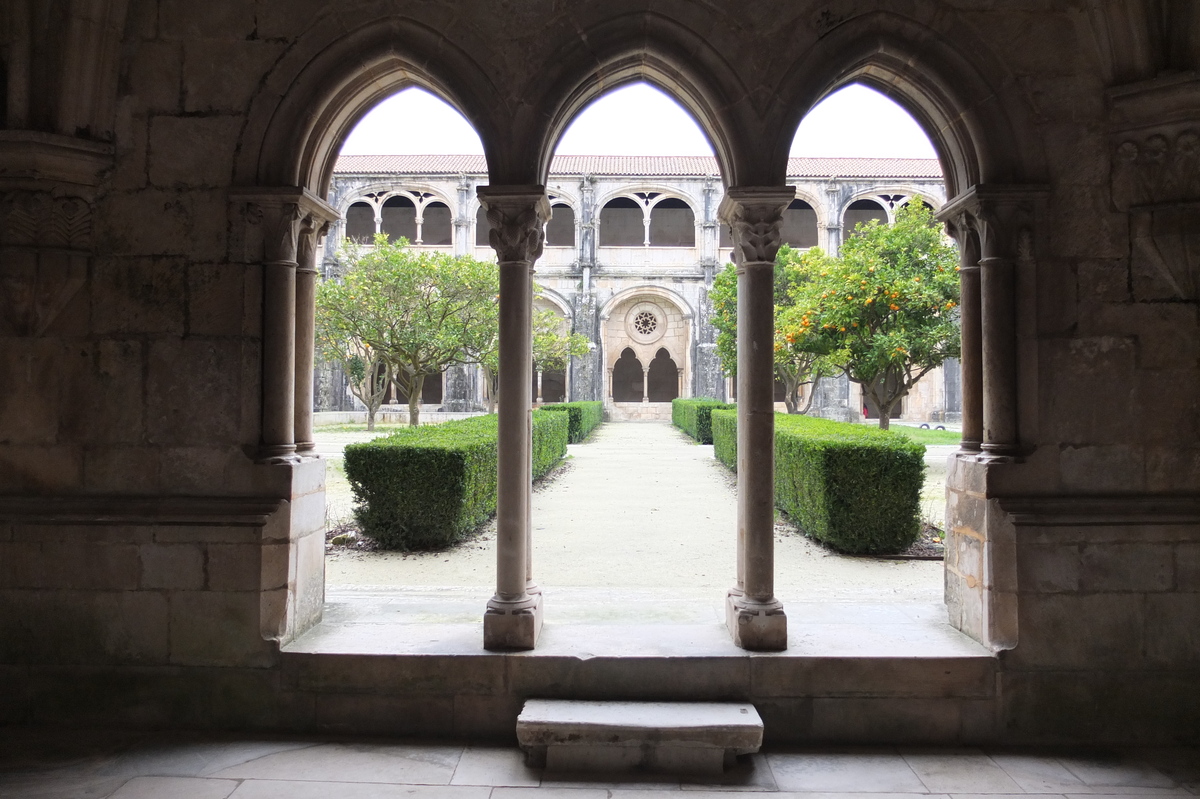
(282, 229)
(517, 216)
(990, 224)
(755, 618)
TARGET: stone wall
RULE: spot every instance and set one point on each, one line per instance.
(161, 177)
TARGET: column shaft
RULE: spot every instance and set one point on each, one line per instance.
(646, 384)
(972, 357)
(756, 429)
(306, 318)
(279, 359)
(999, 348)
(514, 445)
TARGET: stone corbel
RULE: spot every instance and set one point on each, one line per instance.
(45, 244)
(1155, 151)
(755, 215)
(517, 216)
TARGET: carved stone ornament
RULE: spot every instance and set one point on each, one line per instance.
(45, 244)
(755, 216)
(1156, 168)
(268, 223)
(517, 217)
(1002, 216)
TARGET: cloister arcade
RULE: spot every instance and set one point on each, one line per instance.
(621, 224)
(165, 169)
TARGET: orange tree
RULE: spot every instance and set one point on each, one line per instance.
(800, 358)
(886, 307)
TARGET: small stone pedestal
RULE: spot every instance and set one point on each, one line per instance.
(756, 626)
(513, 625)
(672, 737)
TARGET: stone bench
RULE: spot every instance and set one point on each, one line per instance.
(676, 737)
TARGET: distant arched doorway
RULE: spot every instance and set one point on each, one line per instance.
(662, 379)
(628, 379)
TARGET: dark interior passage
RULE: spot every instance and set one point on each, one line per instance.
(627, 378)
(663, 380)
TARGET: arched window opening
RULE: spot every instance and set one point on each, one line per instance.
(360, 223)
(431, 391)
(921, 202)
(560, 230)
(622, 223)
(399, 219)
(482, 228)
(437, 228)
(628, 379)
(724, 237)
(799, 225)
(672, 224)
(662, 383)
(549, 385)
(861, 211)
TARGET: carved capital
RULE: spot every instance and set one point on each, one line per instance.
(271, 223)
(1002, 216)
(755, 215)
(517, 216)
(45, 219)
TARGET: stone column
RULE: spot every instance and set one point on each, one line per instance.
(997, 312)
(972, 333)
(539, 386)
(754, 616)
(311, 233)
(645, 384)
(611, 396)
(281, 228)
(517, 215)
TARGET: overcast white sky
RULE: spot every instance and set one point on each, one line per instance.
(641, 120)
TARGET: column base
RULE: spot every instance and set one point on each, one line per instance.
(277, 453)
(512, 624)
(756, 626)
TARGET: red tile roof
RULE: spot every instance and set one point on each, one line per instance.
(649, 165)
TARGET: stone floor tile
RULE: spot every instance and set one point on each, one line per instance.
(751, 773)
(633, 780)
(183, 757)
(1116, 770)
(551, 793)
(289, 789)
(175, 788)
(496, 766)
(960, 772)
(1037, 773)
(837, 772)
(1177, 762)
(405, 764)
(55, 785)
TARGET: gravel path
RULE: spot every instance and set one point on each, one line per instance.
(642, 506)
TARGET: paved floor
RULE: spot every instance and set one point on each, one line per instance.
(641, 506)
(37, 764)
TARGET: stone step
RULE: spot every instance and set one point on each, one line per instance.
(675, 737)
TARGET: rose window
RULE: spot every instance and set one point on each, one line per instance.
(645, 323)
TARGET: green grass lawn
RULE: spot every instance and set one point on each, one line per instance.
(928, 436)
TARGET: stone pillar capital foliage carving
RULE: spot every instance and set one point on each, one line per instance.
(755, 215)
(270, 222)
(1002, 216)
(517, 216)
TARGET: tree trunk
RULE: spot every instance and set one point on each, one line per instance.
(812, 395)
(416, 385)
(791, 388)
(489, 381)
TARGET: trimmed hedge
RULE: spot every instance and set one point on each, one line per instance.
(583, 418)
(854, 487)
(427, 487)
(694, 416)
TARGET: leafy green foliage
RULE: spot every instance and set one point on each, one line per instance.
(693, 416)
(415, 312)
(428, 487)
(582, 418)
(855, 488)
(799, 360)
(886, 307)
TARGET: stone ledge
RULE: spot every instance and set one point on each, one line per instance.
(1109, 510)
(104, 510)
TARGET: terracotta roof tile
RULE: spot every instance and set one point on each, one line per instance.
(650, 165)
